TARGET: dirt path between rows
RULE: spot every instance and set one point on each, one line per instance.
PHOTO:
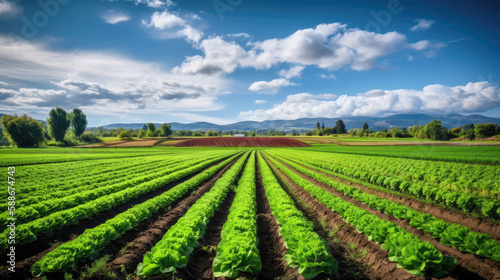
(378, 266)
(475, 224)
(126, 261)
(28, 254)
(271, 244)
(469, 265)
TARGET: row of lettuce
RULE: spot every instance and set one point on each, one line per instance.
(465, 201)
(417, 257)
(449, 234)
(88, 193)
(29, 231)
(238, 250)
(91, 241)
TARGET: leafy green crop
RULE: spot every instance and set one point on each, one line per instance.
(88, 244)
(174, 249)
(237, 252)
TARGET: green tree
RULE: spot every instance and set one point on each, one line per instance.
(145, 127)
(365, 127)
(142, 134)
(22, 131)
(318, 126)
(58, 123)
(485, 130)
(322, 126)
(340, 127)
(125, 135)
(435, 131)
(151, 129)
(78, 121)
(166, 128)
(252, 134)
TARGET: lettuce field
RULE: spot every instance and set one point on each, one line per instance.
(301, 212)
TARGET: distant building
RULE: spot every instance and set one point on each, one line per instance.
(239, 135)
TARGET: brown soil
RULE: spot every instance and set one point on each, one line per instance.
(470, 266)
(33, 252)
(135, 250)
(393, 143)
(377, 263)
(271, 244)
(200, 262)
(449, 215)
(349, 266)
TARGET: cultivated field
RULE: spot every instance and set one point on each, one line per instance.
(242, 142)
(318, 212)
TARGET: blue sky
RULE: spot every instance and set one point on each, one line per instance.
(225, 61)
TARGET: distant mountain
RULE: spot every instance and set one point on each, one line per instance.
(403, 120)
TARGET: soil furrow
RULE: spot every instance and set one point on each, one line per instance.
(271, 244)
(200, 262)
(377, 265)
(349, 264)
(469, 266)
(36, 250)
(126, 261)
(475, 224)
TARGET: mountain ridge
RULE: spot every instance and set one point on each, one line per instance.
(301, 124)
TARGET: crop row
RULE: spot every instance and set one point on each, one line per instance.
(88, 244)
(416, 256)
(32, 191)
(174, 249)
(455, 176)
(456, 235)
(17, 160)
(84, 183)
(307, 250)
(237, 252)
(467, 202)
(28, 232)
(44, 208)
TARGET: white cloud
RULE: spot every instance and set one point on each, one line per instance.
(9, 9)
(429, 48)
(114, 17)
(171, 26)
(236, 35)
(422, 24)
(328, 46)
(410, 58)
(270, 87)
(292, 72)
(260, 101)
(473, 97)
(98, 81)
(329, 76)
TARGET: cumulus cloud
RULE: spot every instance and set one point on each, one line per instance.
(270, 87)
(292, 72)
(98, 80)
(9, 9)
(327, 46)
(171, 26)
(114, 17)
(422, 24)
(260, 101)
(473, 97)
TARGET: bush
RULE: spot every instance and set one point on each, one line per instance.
(142, 134)
(124, 135)
(485, 130)
(90, 138)
(23, 131)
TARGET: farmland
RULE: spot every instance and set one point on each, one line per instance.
(306, 212)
